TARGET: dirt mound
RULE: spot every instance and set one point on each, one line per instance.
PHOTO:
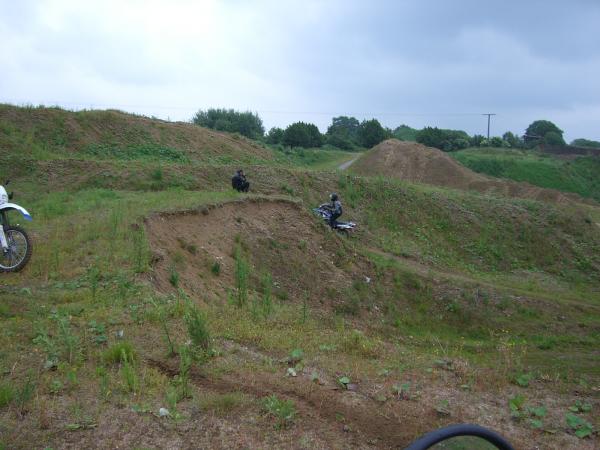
(418, 163)
(278, 238)
(71, 134)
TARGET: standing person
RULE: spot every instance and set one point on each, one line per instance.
(335, 206)
(239, 182)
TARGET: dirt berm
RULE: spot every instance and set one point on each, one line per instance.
(418, 163)
(277, 237)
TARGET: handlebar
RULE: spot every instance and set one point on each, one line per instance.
(434, 437)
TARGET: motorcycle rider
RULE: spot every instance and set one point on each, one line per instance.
(239, 182)
(335, 206)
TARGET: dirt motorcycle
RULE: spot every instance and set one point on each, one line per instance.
(15, 245)
(324, 211)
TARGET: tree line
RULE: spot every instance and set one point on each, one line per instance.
(348, 133)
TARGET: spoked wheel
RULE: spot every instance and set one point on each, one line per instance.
(19, 250)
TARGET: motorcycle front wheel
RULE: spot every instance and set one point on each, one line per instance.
(18, 253)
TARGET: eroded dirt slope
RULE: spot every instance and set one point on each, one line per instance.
(277, 237)
(421, 164)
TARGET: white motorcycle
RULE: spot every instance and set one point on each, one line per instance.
(15, 245)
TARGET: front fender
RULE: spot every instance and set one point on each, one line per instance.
(9, 206)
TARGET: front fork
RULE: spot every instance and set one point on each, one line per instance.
(3, 225)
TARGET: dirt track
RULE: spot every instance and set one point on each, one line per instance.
(276, 236)
(323, 408)
(417, 163)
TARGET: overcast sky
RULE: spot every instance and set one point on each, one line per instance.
(420, 62)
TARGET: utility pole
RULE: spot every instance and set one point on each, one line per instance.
(488, 116)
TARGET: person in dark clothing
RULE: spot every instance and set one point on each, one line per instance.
(239, 182)
(335, 206)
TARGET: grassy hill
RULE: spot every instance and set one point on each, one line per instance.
(153, 285)
(579, 175)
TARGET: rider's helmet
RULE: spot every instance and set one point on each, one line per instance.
(333, 197)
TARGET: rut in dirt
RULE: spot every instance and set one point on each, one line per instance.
(317, 403)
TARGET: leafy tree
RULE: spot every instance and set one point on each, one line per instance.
(460, 143)
(246, 123)
(536, 133)
(302, 134)
(446, 140)
(431, 137)
(316, 138)
(585, 143)
(405, 133)
(512, 140)
(553, 138)
(496, 141)
(275, 135)
(343, 132)
(346, 127)
(476, 140)
(371, 133)
(339, 141)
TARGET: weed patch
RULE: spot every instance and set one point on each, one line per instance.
(119, 353)
(283, 411)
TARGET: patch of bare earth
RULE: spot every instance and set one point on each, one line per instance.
(278, 237)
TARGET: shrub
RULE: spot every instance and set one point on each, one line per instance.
(283, 411)
(119, 352)
(405, 133)
(246, 123)
(174, 277)
(357, 343)
(341, 142)
(7, 394)
(371, 133)
(275, 135)
(446, 140)
(302, 134)
(585, 143)
(197, 327)
(495, 141)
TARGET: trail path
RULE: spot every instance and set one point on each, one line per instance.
(347, 164)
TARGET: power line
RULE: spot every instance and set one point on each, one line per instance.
(91, 105)
(488, 116)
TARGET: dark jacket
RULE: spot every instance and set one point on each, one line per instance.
(238, 181)
(336, 207)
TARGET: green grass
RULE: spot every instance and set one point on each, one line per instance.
(314, 158)
(461, 230)
(579, 175)
(147, 151)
